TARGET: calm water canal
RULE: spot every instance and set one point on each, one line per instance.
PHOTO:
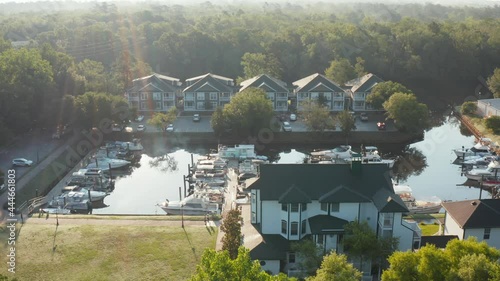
(157, 178)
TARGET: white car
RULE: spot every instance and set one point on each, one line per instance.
(170, 128)
(141, 128)
(139, 118)
(293, 117)
(196, 118)
(287, 127)
(363, 116)
(21, 162)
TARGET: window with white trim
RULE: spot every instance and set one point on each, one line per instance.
(213, 96)
(283, 226)
(200, 96)
(324, 207)
(144, 96)
(487, 232)
(156, 96)
(335, 207)
(294, 228)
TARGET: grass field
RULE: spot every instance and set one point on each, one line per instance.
(429, 229)
(97, 252)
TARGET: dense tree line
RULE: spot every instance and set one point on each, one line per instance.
(102, 48)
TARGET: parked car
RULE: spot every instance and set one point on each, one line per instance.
(196, 118)
(363, 116)
(293, 117)
(170, 128)
(117, 127)
(22, 162)
(139, 118)
(287, 127)
(381, 125)
(141, 128)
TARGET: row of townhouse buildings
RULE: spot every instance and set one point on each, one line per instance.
(159, 93)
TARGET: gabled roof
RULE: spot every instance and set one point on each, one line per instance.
(364, 83)
(319, 180)
(343, 194)
(271, 247)
(474, 213)
(294, 195)
(161, 82)
(388, 202)
(262, 81)
(217, 82)
(322, 224)
(311, 82)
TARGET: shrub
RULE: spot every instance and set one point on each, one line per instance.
(469, 108)
(493, 124)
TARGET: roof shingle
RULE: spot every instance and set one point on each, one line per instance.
(474, 213)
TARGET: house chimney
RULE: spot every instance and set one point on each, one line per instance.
(356, 166)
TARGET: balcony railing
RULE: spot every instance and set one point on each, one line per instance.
(133, 98)
(188, 98)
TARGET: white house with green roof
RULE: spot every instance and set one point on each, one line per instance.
(276, 90)
(207, 92)
(315, 86)
(290, 202)
(360, 88)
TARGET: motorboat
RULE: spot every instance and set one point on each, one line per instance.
(481, 148)
(477, 174)
(134, 145)
(483, 161)
(388, 162)
(413, 205)
(59, 211)
(75, 204)
(91, 178)
(81, 192)
(490, 181)
(105, 164)
(191, 205)
(342, 152)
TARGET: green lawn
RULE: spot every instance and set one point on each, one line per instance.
(429, 229)
(98, 252)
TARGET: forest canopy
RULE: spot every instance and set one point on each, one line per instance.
(101, 47)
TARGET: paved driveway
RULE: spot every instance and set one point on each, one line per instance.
(186, 124)
(35, 146)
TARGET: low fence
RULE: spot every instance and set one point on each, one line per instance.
(281, 138)
(467, 123)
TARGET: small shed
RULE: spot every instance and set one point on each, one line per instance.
(488, 107)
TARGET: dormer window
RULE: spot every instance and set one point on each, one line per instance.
(294, 207)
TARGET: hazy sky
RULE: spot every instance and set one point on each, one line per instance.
(442, 2)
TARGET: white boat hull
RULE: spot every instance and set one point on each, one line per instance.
(188, 212)
(425, 209)
(105, 165)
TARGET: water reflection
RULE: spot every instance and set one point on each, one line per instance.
(425, 166)
(411, 162)
(149, 185)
